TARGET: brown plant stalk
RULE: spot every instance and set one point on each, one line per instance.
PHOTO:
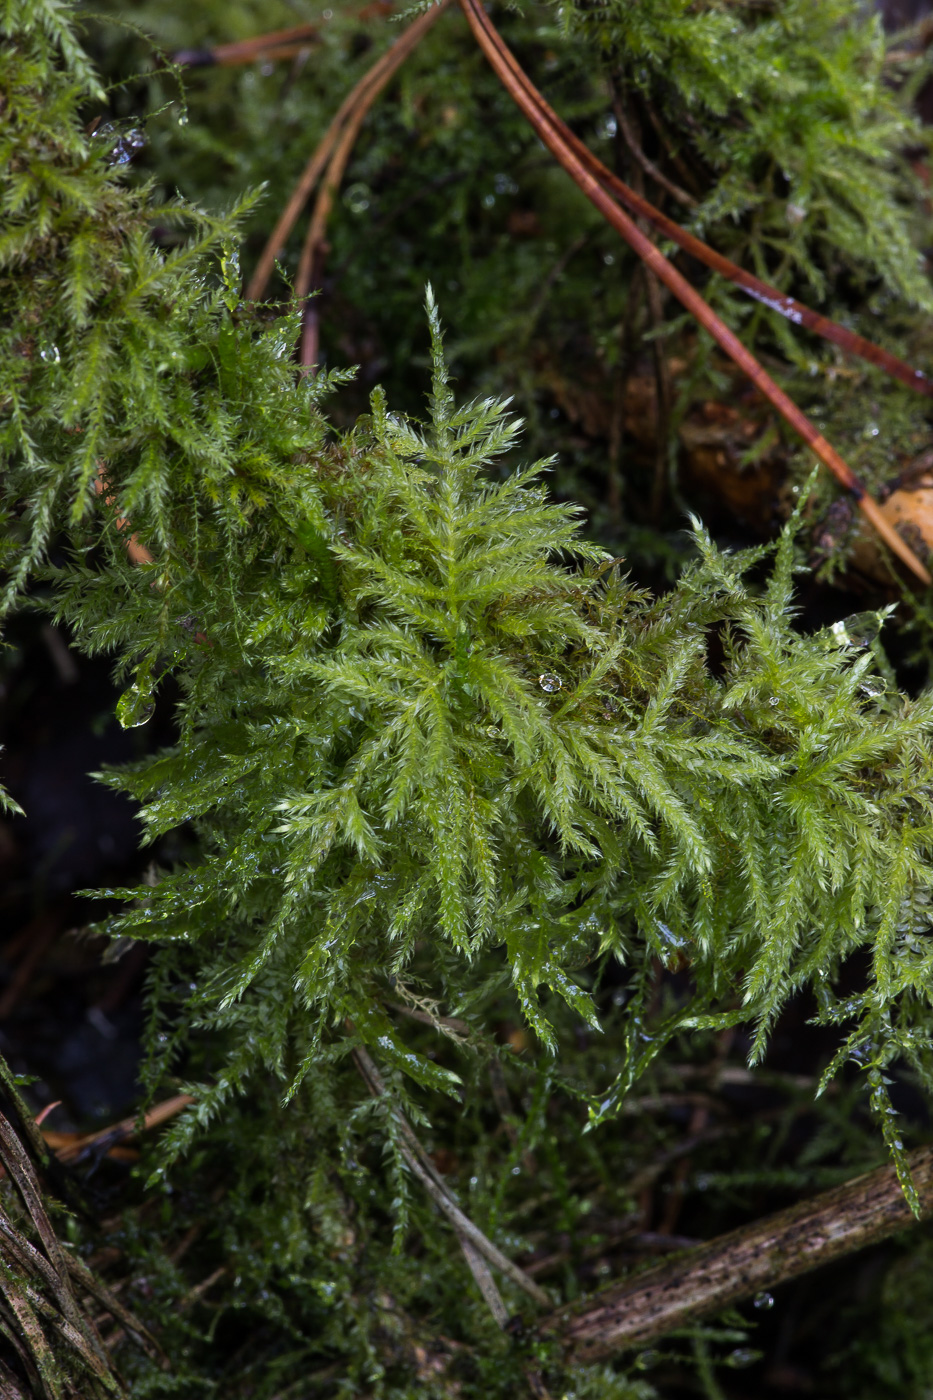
(737, 1265)
(495, 51)
(68, 1147)
(364, 92)
(421, 1166)
(280, 43)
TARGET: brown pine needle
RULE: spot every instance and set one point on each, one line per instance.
(792, 310)
(68, 1146)
(280, 43)
(375, 79)
(494, 49)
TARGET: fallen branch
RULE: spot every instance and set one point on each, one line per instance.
(505, 66)
(137, 552)
(740, 1264)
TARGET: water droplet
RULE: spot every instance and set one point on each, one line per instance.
(357, 198)
(488, 201)
(267, 68)
(859, 630)
(873, 686)
(669, 938)
(50, 354)
(129, 145)
(775, 700)
(742, 1356)
(122, 145)
(606, 127)
(870, 430)
(646, 1359)
(183, 119)
(135, 707)
(763, 1301)
(550, 683)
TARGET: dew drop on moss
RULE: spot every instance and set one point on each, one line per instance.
(135, 707)
(357, 198)
(858, 630)
(550, 683)
(646, 1359)
(763, 1301)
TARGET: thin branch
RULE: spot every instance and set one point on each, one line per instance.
(737, 1265)
(690, 298)
(648, 166)
(68, 1147)
(457, 1030)
(375, 79)
(421, 1166)
(280, 43)
(484, 1281)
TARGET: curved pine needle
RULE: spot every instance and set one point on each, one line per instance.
(495, 51)
(788, 307)
(280, 43)
(363, 93)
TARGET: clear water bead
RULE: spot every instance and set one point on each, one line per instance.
(872, 686)
(646, 1359)
(357, 198)
(135, 707)
(858, 631)
(763, 1301)
(550, 683)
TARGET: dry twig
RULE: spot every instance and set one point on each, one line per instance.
(280, 43)
(737, 1265)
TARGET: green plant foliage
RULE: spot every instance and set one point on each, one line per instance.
(444, 765)
(517, 765)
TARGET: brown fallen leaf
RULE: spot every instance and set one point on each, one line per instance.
(909, 509)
